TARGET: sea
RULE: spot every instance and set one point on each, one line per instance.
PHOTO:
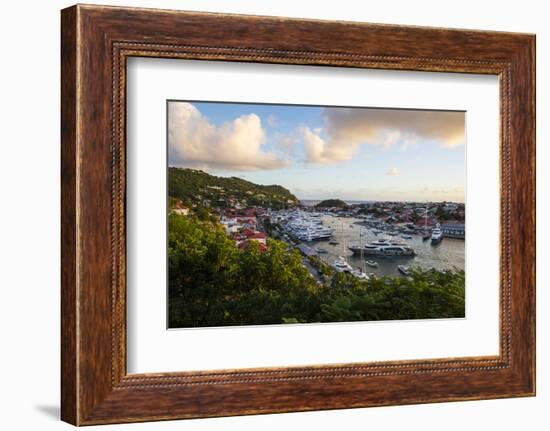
(448, 254)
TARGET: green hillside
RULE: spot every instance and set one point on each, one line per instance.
(332, 203)
(195, 187)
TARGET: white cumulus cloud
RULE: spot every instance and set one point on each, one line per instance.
(348, 128)
(194, 141)
(319, 150)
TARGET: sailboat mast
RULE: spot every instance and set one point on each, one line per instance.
(426, 219)
(343, 240)
(361, 248)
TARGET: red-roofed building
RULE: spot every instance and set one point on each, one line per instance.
(246, 235)
(259, 237)
(180, 209)
(249, 221)
(247, 232)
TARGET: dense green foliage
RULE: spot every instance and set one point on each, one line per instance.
(197, 187)
(322, 268)
(332, 203)
(213, 283)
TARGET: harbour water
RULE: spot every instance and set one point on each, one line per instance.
(448, 254)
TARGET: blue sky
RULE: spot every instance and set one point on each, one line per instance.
(325, 152)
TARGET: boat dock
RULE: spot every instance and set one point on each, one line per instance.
(306, 250)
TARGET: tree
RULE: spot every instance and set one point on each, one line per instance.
(201, 265)
(214, 283)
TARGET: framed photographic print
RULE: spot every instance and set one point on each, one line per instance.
(329, 211)
(279, 215)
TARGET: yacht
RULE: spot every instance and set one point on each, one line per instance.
(360, 274)
(372, 263)
(437, 235)
(314, 234)
(383, 247)
(403, 269)
(341, 265)
(307, 227)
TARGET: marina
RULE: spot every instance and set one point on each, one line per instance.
(347, 245)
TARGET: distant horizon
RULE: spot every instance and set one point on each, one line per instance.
(358, 154)
(362, 201)
(349, 201)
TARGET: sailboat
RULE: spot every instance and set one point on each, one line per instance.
(360, 273)
(426, 235)
(341, 264)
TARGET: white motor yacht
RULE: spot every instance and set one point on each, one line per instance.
(437, 235)
(341, 265)
(383, 247)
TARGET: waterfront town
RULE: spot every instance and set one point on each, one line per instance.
(307, 224)
(287, 214)
(306, 262)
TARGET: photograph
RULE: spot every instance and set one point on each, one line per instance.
(299, 214)
(265, 210)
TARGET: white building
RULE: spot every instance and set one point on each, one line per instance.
(180, 209)
(453, 230)
(231, 226)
